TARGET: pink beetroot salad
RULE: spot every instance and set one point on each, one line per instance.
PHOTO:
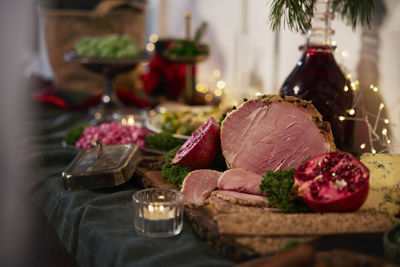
(112, 133)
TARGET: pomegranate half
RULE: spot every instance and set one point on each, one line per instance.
(201, 148)
(332, 182)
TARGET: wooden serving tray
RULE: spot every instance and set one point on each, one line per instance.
(240, 233)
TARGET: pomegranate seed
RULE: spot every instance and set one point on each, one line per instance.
(352, 187)
(302, 167)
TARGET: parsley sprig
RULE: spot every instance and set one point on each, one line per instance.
(278, 186)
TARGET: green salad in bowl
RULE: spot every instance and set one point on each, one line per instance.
(107, 46)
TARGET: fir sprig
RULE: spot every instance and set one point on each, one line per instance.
(297, 14)
(350, 10)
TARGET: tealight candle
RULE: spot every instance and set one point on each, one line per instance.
(158, 212)
(128, 120)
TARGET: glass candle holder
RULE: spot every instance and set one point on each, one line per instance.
(158, 212)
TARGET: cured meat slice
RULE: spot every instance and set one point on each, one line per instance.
(198, 185)
(241, 198)
(240, 180)
(273, 133)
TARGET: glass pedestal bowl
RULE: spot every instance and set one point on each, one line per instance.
(189, 53)
(110, 108)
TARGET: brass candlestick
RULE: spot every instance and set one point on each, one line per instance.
(189, 67)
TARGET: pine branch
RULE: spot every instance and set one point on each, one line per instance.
(350, 10)
(297, 14)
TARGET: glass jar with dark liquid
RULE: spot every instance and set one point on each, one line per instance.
(317, 77)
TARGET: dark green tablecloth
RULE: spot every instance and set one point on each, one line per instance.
(97, 227)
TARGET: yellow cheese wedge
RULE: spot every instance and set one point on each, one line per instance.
(384, 192)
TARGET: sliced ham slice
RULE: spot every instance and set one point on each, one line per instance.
(240, 180)
(198, 185)
(274, 133)
(241, 198)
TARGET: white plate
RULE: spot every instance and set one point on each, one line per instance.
(154, 124)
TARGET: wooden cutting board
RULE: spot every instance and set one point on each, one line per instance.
(241, 233)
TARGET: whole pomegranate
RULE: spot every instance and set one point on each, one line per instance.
(332, 182)
(201, 148)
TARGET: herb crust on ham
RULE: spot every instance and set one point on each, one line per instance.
(239, 198)
(272, 133)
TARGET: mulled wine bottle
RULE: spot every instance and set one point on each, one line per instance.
(317, 77)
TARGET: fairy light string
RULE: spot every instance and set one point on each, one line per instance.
(374, 135)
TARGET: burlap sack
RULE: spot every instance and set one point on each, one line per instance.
(63, 28)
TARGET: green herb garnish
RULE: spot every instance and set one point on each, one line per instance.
(163, 141)
(278, 186)
(222, 119)
(175, 174)
(74, 134)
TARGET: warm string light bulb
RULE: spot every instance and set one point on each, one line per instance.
(218, 92)
(153, 38)
(210, 91)
(374, 88)
(216, 73)
(221, 84)
(351, 111)
(150, 47)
